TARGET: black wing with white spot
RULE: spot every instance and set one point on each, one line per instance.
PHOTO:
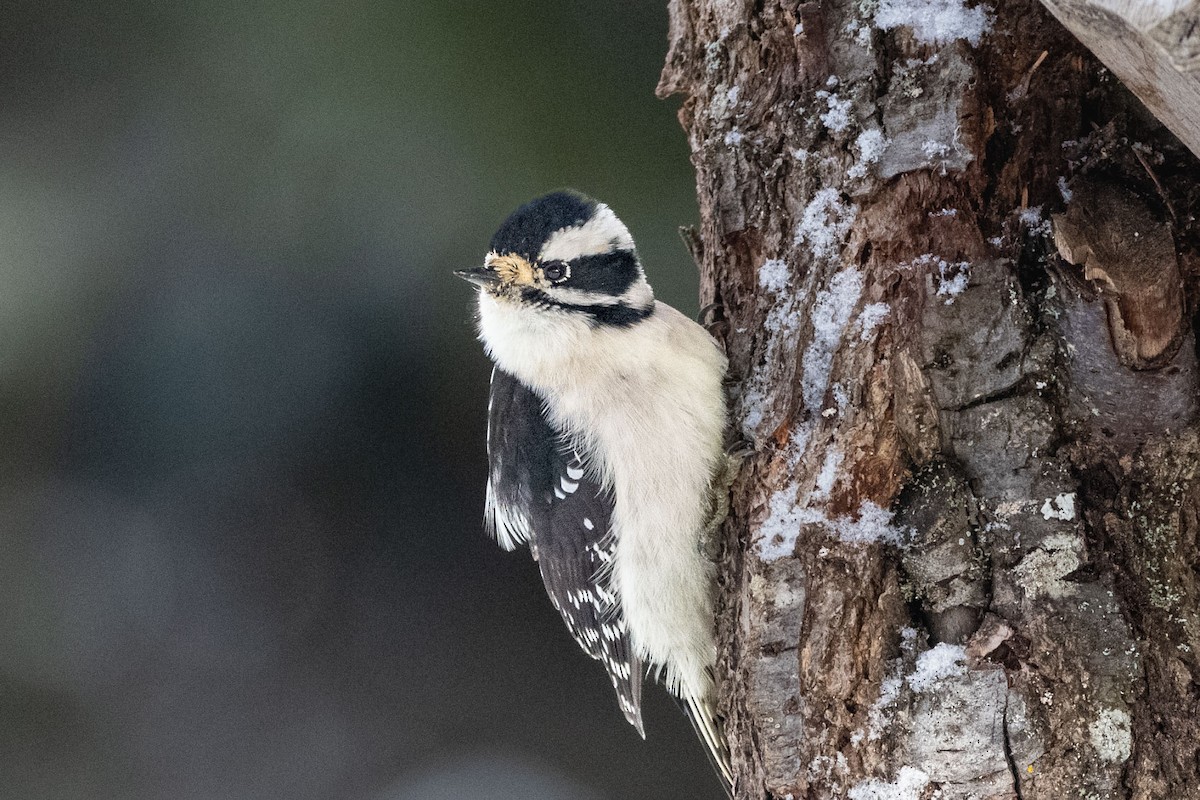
(519, 446)
(542, 491)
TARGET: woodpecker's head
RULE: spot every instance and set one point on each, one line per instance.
(565, 253)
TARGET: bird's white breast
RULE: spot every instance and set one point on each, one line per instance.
(646, 403)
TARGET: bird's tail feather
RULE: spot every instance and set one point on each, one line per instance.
(703, 715)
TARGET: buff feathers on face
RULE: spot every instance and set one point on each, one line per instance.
(512, 269)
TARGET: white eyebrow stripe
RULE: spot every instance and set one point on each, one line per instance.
(578, 297)
(639, 295)
(601, 233)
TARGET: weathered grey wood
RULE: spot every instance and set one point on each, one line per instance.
(961, 558)
(1153, 46)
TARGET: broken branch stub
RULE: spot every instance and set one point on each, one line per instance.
(1130, 256)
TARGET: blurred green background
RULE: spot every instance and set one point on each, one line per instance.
(242, 410)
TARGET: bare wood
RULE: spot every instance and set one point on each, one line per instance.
(1153, 47)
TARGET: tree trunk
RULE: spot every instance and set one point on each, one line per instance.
(958, 268)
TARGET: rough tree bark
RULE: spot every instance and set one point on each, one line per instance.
(958, 265)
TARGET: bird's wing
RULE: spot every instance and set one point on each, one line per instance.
(542, 490)
(519, 460)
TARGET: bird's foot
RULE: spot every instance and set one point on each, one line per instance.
(712, 319)
(710, 538)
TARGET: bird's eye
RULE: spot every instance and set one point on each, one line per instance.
(554, 271)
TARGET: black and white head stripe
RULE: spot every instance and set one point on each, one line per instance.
(541, 491)
(599, 310)
(527, 229)
(599, 234)
(599, 275)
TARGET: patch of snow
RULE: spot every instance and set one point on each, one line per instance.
(871, 145)
(779, 532)
(953, 277)
(873, 525)
(776, 547)
(800, 154)
(1112, 735)
(871, 316)
(840, 395)
(954, 287)
(781, 330)
(933, 149)
(830, 314)
(828, 473)
(833, 309)
(1063, 189)
(731, 96)
(773, 275)
(1031, 216)
(734, 138)
(1061, 507)
(889, 692)
(777, 536)
(1035, 221)
(860, 32)
(910, 784)
(936, 664)
(825, 222)
(837, 117)
(753, 403)
(936, 21)
(889, 688)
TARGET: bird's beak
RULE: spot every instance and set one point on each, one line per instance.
(480, 276)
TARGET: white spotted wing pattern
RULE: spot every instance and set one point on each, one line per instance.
(541, 491)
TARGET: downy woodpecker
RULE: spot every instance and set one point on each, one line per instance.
(606, 447)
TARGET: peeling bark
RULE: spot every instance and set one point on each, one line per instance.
(963, 556)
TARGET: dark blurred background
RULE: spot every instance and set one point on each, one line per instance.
(242, 410)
